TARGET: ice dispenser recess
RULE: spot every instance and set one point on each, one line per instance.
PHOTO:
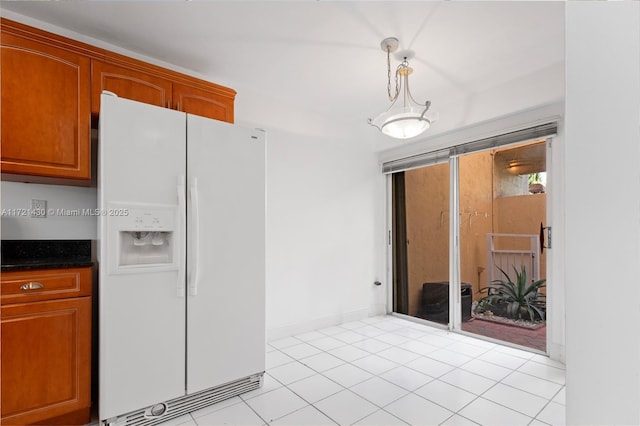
(146, 238)
(145, 248)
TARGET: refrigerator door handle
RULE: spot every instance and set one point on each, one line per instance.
(195, 243)
(182, 208)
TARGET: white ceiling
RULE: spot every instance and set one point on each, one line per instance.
(320, 62)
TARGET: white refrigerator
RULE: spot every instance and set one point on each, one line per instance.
(181, 249)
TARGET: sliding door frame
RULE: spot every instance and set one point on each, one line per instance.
(455, 317)
(399, 245)
(454, 142)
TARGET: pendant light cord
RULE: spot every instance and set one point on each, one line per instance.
(397, 92)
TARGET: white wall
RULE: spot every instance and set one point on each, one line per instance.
(603, 212)
(325, 211)
(56, 225)
(321, 233)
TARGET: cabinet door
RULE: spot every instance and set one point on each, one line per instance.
(129, 84)
(46, 360)
(202, 102)
(45, 110)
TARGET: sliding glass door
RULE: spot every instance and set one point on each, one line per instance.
(422, 242)
(502, 210)
(466, 230)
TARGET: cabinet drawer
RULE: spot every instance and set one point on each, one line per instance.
(29, 286)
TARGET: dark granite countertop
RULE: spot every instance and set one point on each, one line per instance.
(18, 255)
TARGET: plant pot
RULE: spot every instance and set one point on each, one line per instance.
(500, 310)
(536, 188)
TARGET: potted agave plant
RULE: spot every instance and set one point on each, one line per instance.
(519, 300)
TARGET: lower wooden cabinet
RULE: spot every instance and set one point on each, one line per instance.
(46, 360)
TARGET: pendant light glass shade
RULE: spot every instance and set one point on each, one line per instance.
(405, 118)
(401, 123)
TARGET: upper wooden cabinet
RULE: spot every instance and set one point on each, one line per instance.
(45, 110)
(202, 102)
(51, 87)
(189, 95)
(140, 81)
(127, 83)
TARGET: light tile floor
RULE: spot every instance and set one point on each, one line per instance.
(388, 371)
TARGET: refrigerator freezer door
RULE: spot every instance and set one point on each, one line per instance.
(226, 302)
(142, 314)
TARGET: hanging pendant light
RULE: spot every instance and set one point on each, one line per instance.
(408, 118)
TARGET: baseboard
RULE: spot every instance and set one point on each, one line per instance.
(556, 352)
(378, 309)
(316, 323)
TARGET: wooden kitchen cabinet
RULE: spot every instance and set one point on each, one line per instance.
(51, 87)
(127, 83)
(45, 109)
(132, 79)
(202, 102)
(46, 347)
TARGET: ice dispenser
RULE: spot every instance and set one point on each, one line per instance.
(146, 237)
(145, 247)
